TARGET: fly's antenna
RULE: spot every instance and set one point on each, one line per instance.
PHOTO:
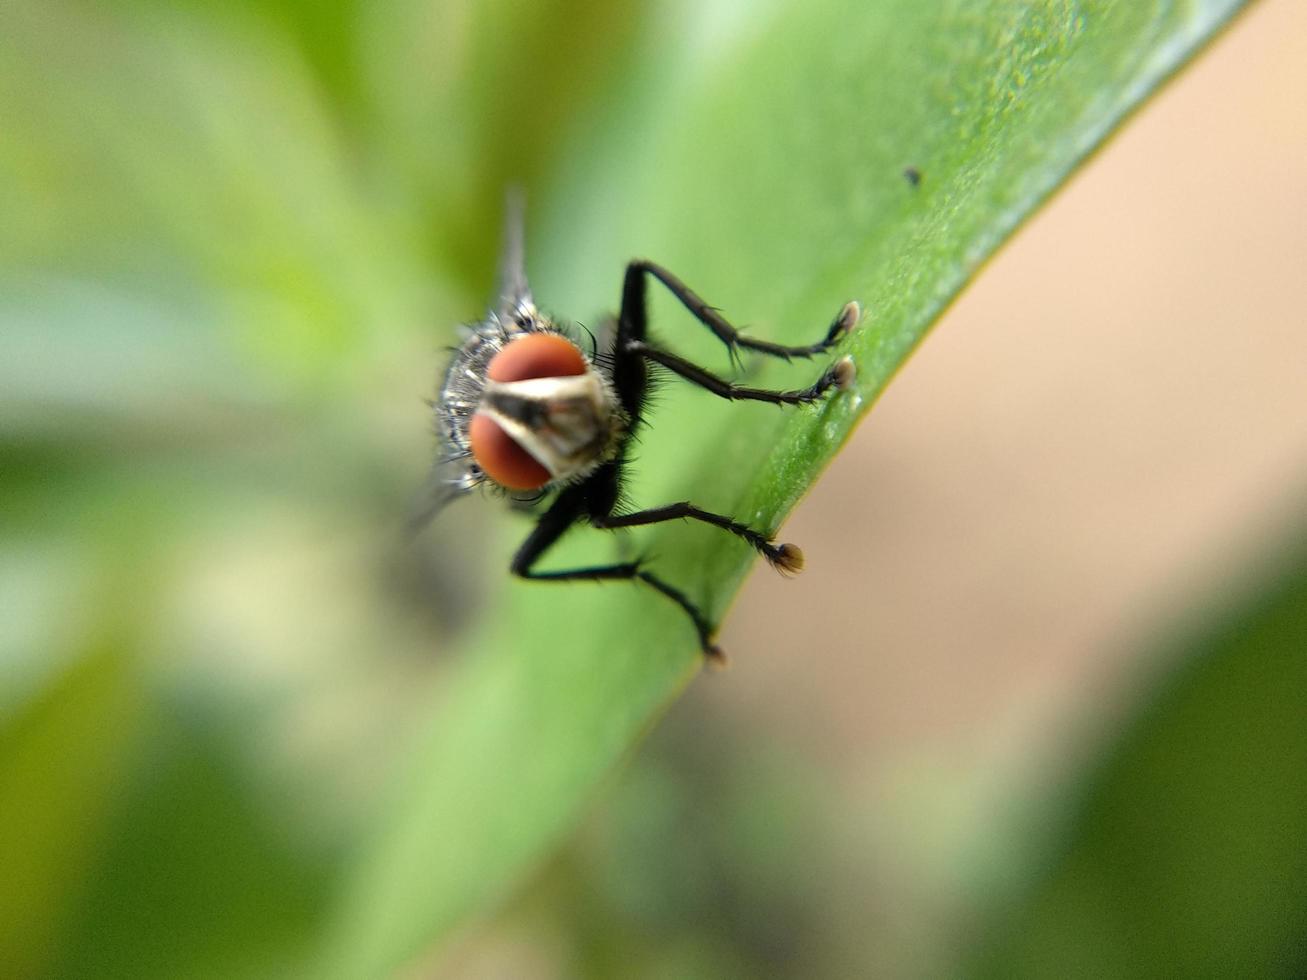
(513, 288)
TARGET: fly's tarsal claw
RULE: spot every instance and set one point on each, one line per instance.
(844, 373)
(848, 318)
(785, 558)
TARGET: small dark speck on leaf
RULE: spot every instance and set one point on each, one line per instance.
(912, 175)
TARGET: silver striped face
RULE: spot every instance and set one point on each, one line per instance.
(566, 424)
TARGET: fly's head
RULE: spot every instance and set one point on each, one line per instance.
(524, 408)
(521, 406)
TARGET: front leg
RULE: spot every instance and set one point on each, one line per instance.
(633, 316)
(570, 506)
(785, 558)
(838, 375)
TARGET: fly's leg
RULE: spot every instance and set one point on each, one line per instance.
(785, 558)
(566, 510)
(632, 344)
(633, 296)
(838, 375)
(632, 571)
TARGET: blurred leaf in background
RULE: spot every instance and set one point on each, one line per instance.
(233, 240)
(1185, 854)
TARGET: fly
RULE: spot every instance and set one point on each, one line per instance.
(522, 407)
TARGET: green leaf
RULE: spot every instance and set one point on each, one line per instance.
(60, 760)
(192, 878)
(761, 155)
(1186, 853)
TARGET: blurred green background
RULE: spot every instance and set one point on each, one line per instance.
(1037, 707)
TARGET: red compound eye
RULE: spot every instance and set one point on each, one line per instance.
(537, 355)
(502, 459)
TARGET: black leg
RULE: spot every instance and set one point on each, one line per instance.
(552, 525)
(783, 557)
(838, 375)
(562, 515)
(633, 315)
(631, 571)
(710, 649)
